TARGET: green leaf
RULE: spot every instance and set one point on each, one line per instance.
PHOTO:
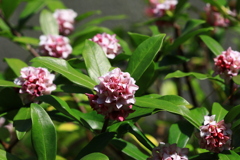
(228, 155)
(198, 114)
(97, 144)
(212, 44)
(8, 7)
(59, 104)
(143, 56)
(27, 40)
(95, 59)
(96, 156)
(4, 83)
(167, 106)
(87, 14)
(236, 79)
(44, 136)
(180, 6)
(48, 23)
(5, 30)
(16, 65)
(185, 37)
(61, 66)
(54, 4)
(232, 114)
(173, 60)
(7, 156)
(191, 24)
(180, 133)
(200, 76)
(137, 38)
(140, 112)
(22, 122)
(219, 111)
(177, 100)
(129, 149)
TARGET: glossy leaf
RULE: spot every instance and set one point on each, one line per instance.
(232, 114)
(61, 66)
(7, 156)
(219, 111)
(143, 56)
(97, 144)
(167, 106)
(180, 133)
(16, 65)
(44, 136)
(140, 112)
(198, 114)
(137, 38)
(187, 36)
(86, 15)
(200, 76)
(96, 156)
(55, 4)
(228, 155)
(4, 83)
(191, 24)
(48, 23)
(27, 40)
(22, 122)
(59, 104)
(95, 59)
(212, 44)
(129, 149)
(177, 100)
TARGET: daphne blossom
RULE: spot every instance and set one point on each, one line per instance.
(55, 46)
(109, 44)
(169, 152)
(35, 82)
(114, 95)
(215, 136)
(227, 64)
(65, 19)
(158, 8)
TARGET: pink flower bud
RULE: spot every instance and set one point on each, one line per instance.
(169, 152)
(65, 19)
(55, 46)
(114, 95)
(109, 44)
(227, 64)
(35, 82)
(214, 136)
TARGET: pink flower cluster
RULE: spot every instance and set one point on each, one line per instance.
(65, 19)
(158, 8)
(35, 82)
(214, 136)
(169, 152)
(109, 44)
(114, 95)
(227, 64)
(55, 46)
(215, 18)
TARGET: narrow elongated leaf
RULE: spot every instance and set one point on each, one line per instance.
(55, 4)
(180, 133)
(8, 7)
(16, 65)
(187, 36)
(44, 136)
(86, 15)
(7, 156)
(219, 111)
(59, 104)
(27, 40)
(191, 24)
(179, 7)
(95, 59)
(198, 114)
(96, 156)
(212, 44)
(97, 144)
(48, 23)
(167, 106)
(143, 56)
(61, 66)
(129, 149)
(232, 114)
(137, 38)
(177, 100)
(228, 155)
(4, 83)
(22, 122)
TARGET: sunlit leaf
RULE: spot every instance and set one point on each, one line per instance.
(212, 44)
(4, 83)
(96, 156)
(219, 111)
(16, 65)
(48, 23)
(27, 40)
(7, 156)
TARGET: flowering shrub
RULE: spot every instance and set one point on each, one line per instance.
(89, 92)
